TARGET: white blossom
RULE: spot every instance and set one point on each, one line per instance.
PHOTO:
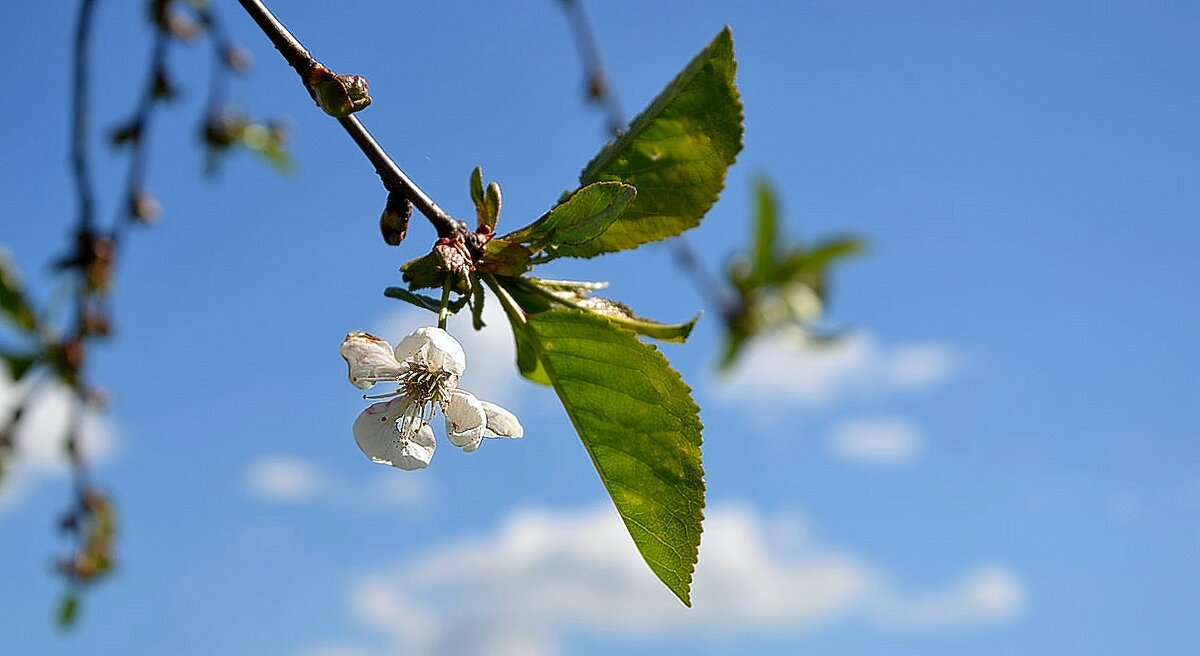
(426, 365)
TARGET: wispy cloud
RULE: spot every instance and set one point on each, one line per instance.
(282, 478)
(40, 438)
(775, 370)
(889, 441)
(989, 593)
(544, 575)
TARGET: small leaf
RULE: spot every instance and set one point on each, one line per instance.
(818, 258)
(18, 364)
(535, 296)
(420, 300)
(580, 218)
(425, 302)
(424, 272)
(505, 258)
(492, 203)
(762, 260)
(13, 303)
(68, 610)
(527, 360)
(637, 419)
(676, 153)
(477, 298)
(477, 190)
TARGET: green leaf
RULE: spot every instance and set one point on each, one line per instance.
(18, 364)
(580, 218)
(13, 303)
(637, 419)
(535, 295)
(676, 153)
(477, 298)
(477, 191)
(527, 360)
(504, 258)
(818, 258)
(425, 302)
(762, 260)
(424, 272)
(420, 300)
(68, 610)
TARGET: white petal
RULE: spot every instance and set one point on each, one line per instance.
(501, 422)
(432, 349)
(380, 438)
(465, 420)
(369, 359)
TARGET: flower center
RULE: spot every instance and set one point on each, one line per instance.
(425, 388)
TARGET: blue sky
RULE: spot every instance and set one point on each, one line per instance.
(1000, 459)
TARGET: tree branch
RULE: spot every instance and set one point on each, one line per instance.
(394, 179)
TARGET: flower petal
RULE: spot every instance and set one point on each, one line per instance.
(500, 422)
(465, 420)
(369, 359)
(432, 349)
(380, 438)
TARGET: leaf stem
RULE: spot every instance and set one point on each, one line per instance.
(394, 179)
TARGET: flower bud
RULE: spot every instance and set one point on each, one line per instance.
(393, 223)
(338, 95)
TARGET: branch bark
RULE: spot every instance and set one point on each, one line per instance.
(394, 179)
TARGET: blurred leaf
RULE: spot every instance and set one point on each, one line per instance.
(68, 610)
(18, 364)
(762, 260)
(582, 217)
(13, 303)
(817, 259)
(676, 153)
(637, 419)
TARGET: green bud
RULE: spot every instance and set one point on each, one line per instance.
(338, 95)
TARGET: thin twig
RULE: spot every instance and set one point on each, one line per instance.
(79, 116)
(600, 92)
(394, 179)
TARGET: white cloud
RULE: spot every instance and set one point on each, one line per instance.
(40, 437)
(285, 478)
(858, 364)
(987, 594)
(491, 356)
(915, 365)
(545, 575)
(883, 441)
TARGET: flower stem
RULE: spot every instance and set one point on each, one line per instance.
(444, 312)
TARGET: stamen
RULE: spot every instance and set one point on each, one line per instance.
(383, 396)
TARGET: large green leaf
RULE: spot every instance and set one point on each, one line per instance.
(638, 421)
(675, 153)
